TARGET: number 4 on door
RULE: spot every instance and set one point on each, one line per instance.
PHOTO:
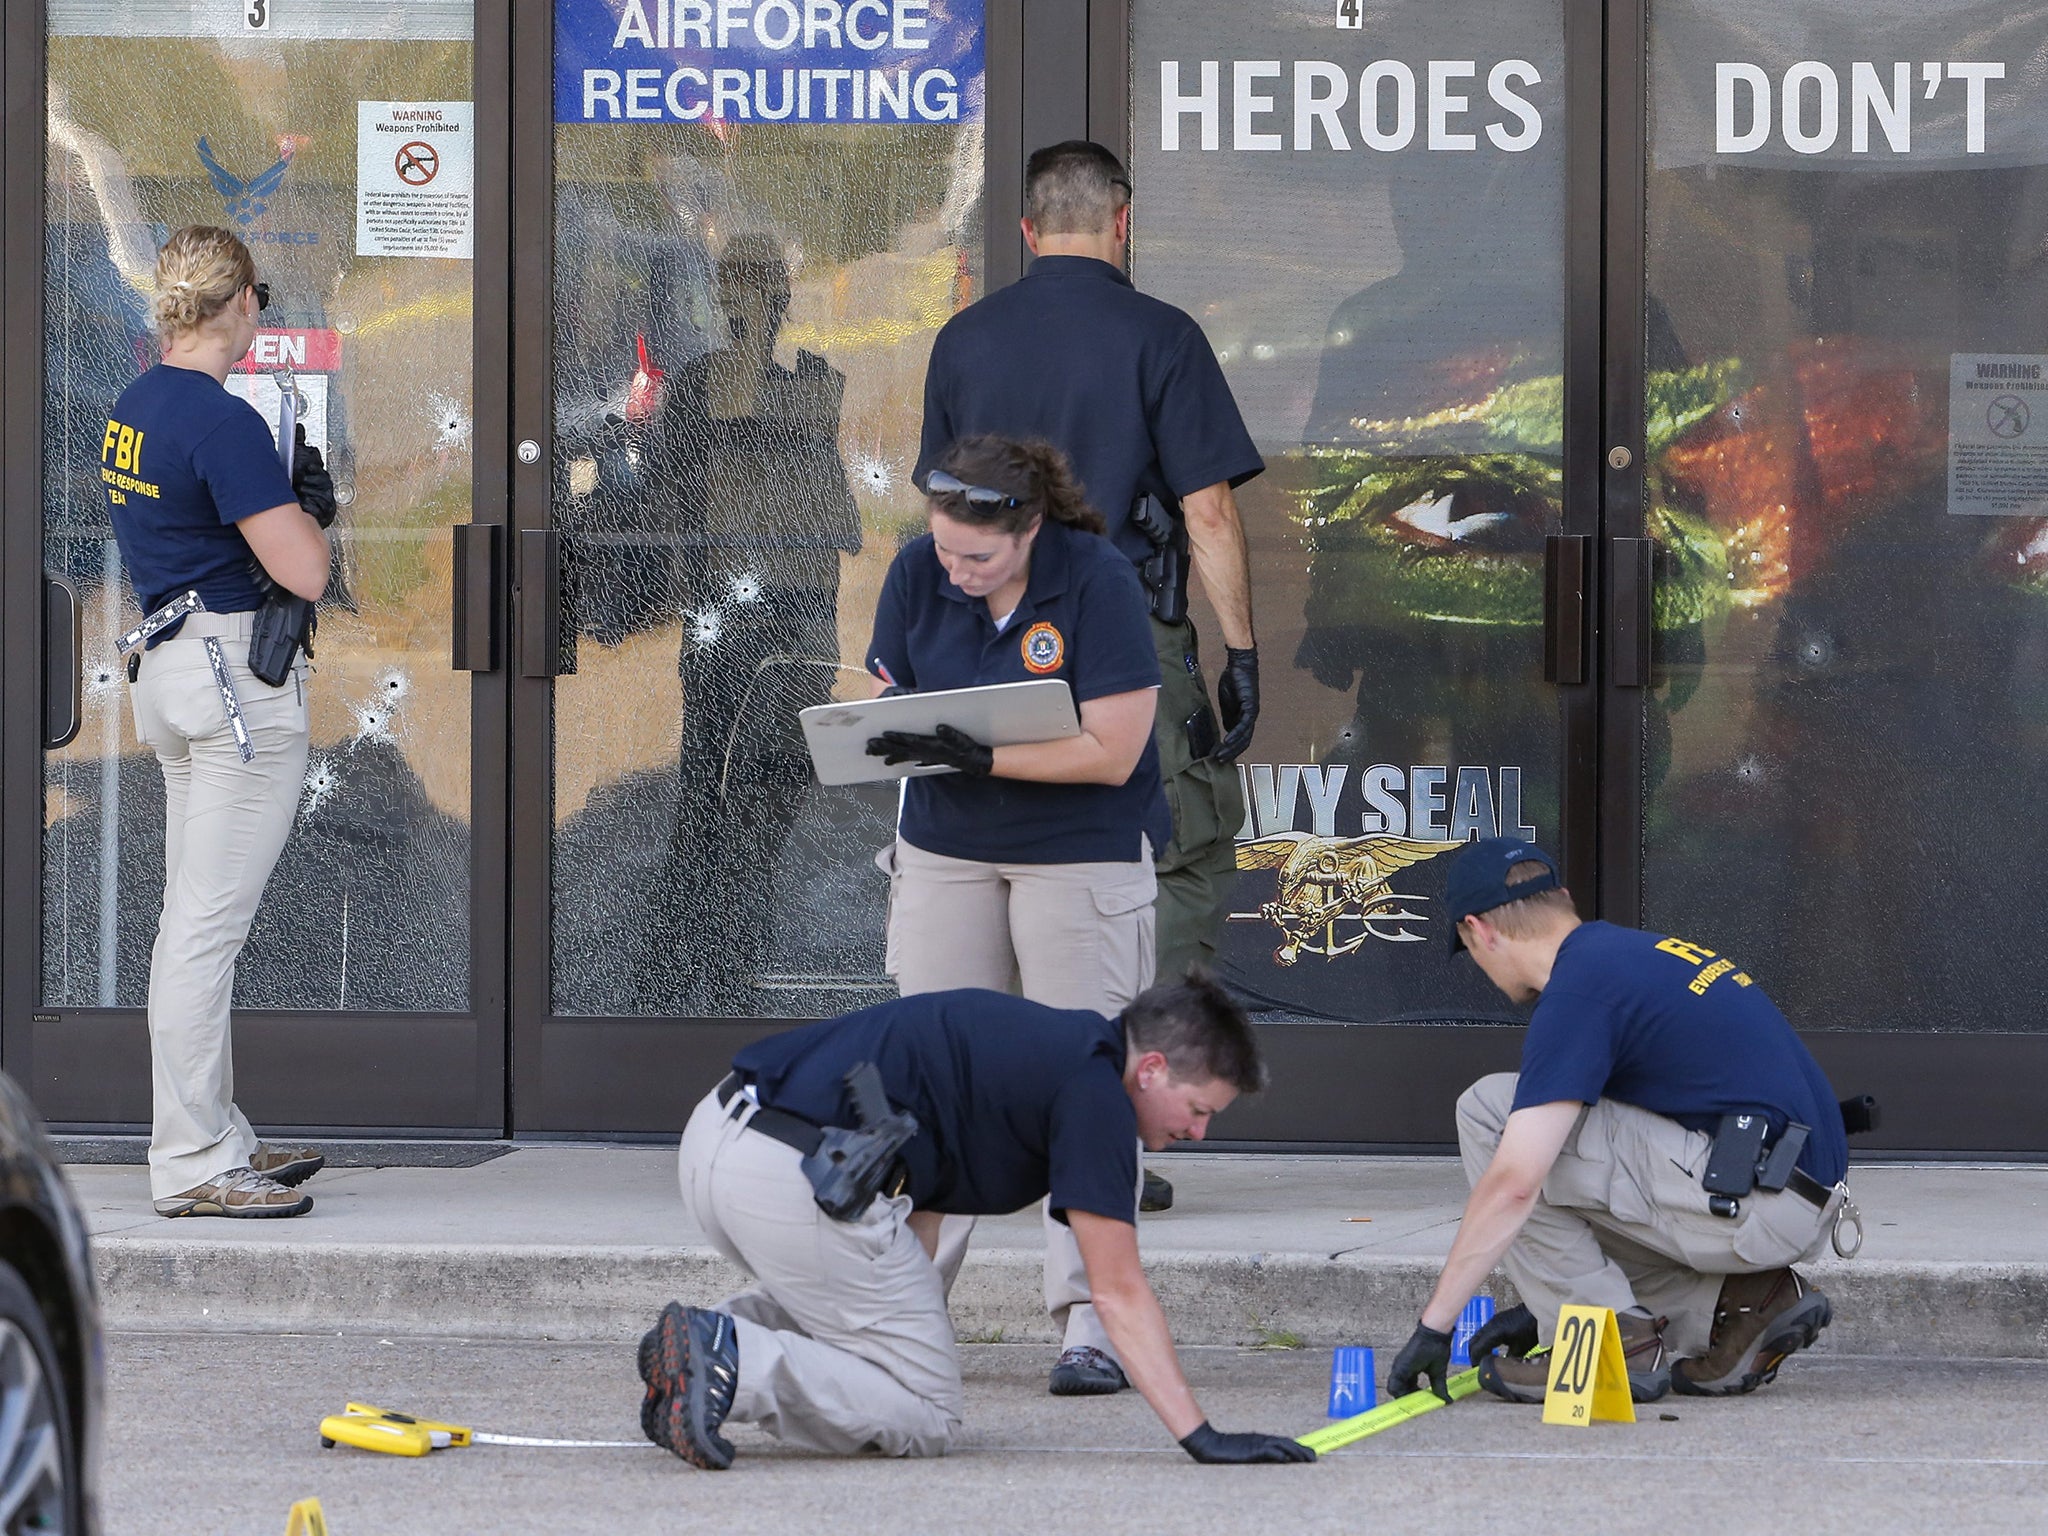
(1348, 14)
(1588, 1378)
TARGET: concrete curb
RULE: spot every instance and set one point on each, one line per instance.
(1964, 1310)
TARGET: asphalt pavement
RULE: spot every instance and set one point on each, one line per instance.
(216, 1432)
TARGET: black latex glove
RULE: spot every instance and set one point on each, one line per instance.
(1212, 1447)
(310, 481)
(1515, 1329)
(1237, 693)
(1427, 1353)
(944, 748)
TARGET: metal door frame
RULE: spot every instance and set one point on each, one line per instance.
(1956, 1095)
(320, 1072)
(1393, 1087)
(640, 1076)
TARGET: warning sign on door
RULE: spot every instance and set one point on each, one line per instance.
(1998, 434)
(414, 178)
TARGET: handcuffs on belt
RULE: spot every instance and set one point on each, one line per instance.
(1737, 1162)
(176, 611)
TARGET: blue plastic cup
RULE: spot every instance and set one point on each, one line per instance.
(1351, 1381)
(1477, 1314)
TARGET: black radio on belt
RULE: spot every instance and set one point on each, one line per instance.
(1165, 571)
(283, 627)
(1738, 1161)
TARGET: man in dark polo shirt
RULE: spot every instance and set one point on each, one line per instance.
(1128, 388)
(1648, 1060)
(844, 1343)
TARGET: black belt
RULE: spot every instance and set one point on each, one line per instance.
(777, 1125)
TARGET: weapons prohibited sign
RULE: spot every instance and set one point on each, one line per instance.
(414, 177)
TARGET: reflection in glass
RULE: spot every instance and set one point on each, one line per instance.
(369, 905)
(743, 314)
(1390, 316)
(1850, 724)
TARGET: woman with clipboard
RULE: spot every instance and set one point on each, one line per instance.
(1030, 868)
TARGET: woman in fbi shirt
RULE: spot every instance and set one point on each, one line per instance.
(202, 504)
(1030, 868)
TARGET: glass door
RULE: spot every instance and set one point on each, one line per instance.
(1845, 360)
(756, 230)
(339, 139)
(1366, 207)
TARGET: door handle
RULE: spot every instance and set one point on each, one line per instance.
(1631, 586)
(547, 646)
(1564, 607)
(475, 600)
(63, 664)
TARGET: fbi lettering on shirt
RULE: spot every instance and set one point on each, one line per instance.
(120, 459)
(1711, 967)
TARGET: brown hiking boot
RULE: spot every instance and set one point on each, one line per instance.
(1758, 1321)
(238, 1192)
(1642, 1353)
(289, 1166)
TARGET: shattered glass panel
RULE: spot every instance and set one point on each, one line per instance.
(1848, 734)
(742, 318)
(1368, 221)
(165, 114)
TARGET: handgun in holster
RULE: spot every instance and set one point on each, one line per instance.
(283, 627)
(1165, 571)
(851, 1167)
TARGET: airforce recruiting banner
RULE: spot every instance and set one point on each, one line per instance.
(778, 61)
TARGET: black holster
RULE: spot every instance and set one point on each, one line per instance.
(284, 626)
(1165, 571)
(850, 1168)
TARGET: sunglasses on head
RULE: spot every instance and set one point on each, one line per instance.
(262, 291)
(942, 484)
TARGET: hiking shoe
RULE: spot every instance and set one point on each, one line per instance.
(690, 1360)
(1642, 1354)
(289, 1166)
(1157, 1195)
(238, 1192)
(1085, 1371)
(1758, 1321)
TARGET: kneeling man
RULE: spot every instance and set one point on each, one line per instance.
(844, 1343)
(1648, 1062)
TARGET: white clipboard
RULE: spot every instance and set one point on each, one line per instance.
(996, 714)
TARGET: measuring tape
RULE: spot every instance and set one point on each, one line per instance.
(403, 1434)
(1333, 1437)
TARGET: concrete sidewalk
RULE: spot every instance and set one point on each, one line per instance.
(586, 1242)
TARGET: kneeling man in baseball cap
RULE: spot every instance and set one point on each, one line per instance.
(1669, 1149)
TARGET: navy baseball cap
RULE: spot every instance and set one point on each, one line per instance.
(1479, 879)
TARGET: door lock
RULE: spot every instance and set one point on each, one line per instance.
(1618, 457)
(529, 451)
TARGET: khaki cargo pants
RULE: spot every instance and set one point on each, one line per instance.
(225, 822)
(1622, 1220)
(1065, 935)
(845, 1343)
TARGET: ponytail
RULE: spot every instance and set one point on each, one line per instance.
(199, 272)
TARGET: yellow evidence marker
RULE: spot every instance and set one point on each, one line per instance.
(1332, 1437)
(1588, 1377)
(305, 1519)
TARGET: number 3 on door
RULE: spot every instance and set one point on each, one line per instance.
(255, 15)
